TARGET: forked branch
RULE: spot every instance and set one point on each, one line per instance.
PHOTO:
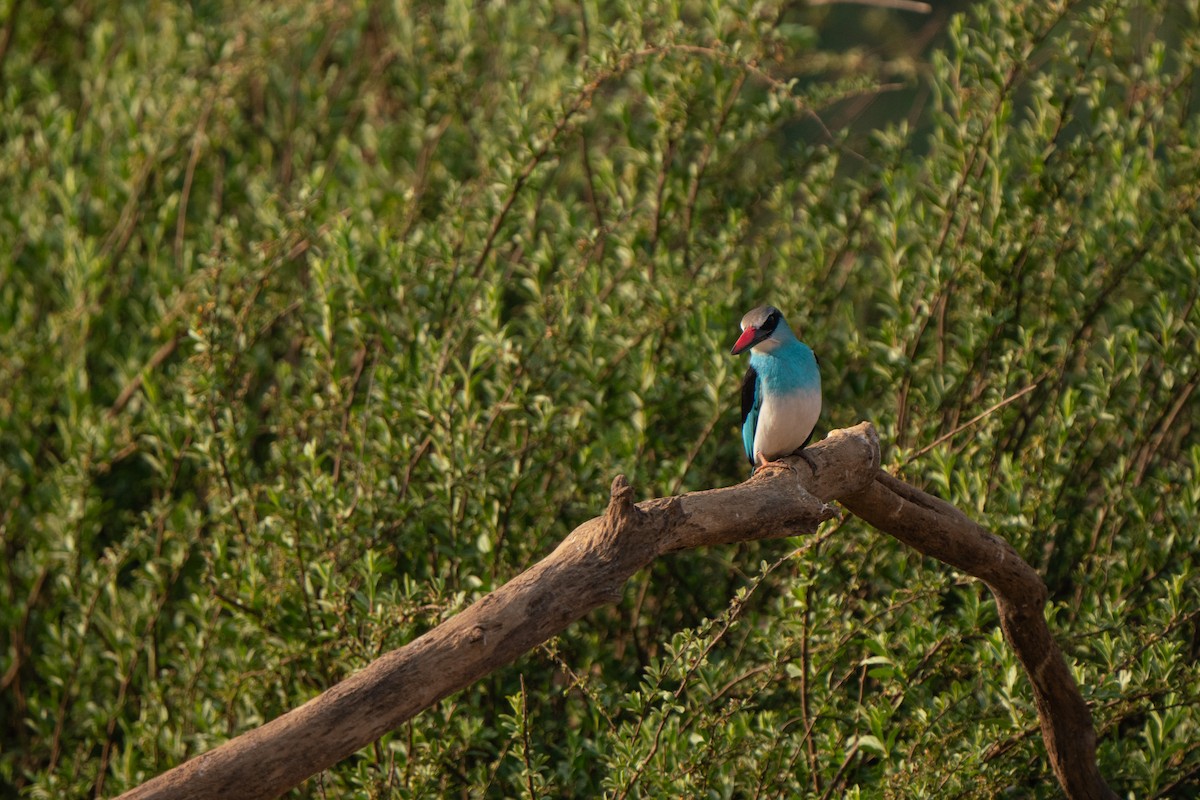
(589, 569)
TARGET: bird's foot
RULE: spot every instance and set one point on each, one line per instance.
(763, 463)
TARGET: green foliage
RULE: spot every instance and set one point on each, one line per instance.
(321, 321)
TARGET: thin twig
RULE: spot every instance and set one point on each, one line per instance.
(160, 355)
(959, 429)
(10, 28)
(525, 740)
(360, 363)
(189, 175)
(898, 5)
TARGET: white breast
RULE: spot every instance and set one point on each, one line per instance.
(785, 423)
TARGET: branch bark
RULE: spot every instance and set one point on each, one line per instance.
(589, 569)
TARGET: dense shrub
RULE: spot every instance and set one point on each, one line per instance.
(319, 321)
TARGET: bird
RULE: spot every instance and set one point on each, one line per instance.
(781, 392)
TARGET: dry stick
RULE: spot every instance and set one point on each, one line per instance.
(590, 568)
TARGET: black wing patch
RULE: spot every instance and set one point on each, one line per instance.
(749, 411)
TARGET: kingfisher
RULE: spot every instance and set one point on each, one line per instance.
(781, 392)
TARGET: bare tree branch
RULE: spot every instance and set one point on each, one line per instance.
(589, 569)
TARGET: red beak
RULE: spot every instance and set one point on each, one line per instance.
(745, 340)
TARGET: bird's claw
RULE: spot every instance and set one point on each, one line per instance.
(763, 463)
(777, 464)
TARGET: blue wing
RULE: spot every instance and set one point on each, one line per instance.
(751, 403)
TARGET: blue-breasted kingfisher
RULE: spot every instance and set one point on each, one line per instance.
(781, 392)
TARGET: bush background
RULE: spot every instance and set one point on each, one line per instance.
(405, 285)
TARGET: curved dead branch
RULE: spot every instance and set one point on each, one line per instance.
(589, 569)
(938, 529)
